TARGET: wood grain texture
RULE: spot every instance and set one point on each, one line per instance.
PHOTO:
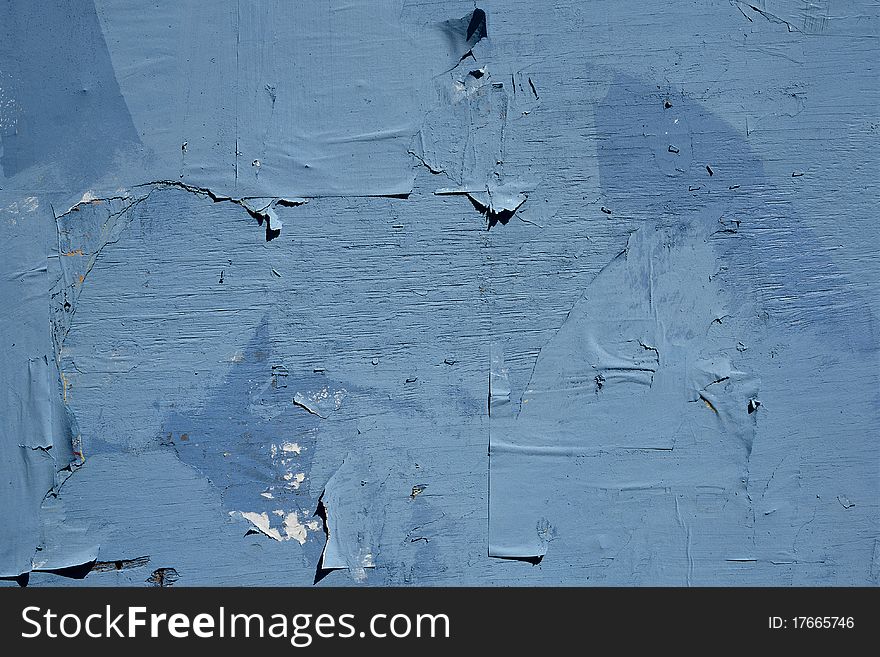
(177, 336)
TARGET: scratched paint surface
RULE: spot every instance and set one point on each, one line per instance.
(439, 294)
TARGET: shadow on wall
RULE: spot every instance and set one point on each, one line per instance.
(75, 116)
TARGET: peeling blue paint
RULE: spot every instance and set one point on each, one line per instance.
(258, 332)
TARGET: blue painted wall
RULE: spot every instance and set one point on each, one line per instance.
(418, 293)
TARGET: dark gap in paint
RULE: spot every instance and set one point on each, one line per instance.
(476, 29)
(259, 215)
(535, 560)
(465, 32)
(425, 163)
(534, 91)
(163, 577)
(120, 564)
(287, 203)
(494, 217)
(321, 512)
(469, 53)
(78, 571)
(489, 397)
(256, 215)
(709, 403)
(21, 580)
(271, 233)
